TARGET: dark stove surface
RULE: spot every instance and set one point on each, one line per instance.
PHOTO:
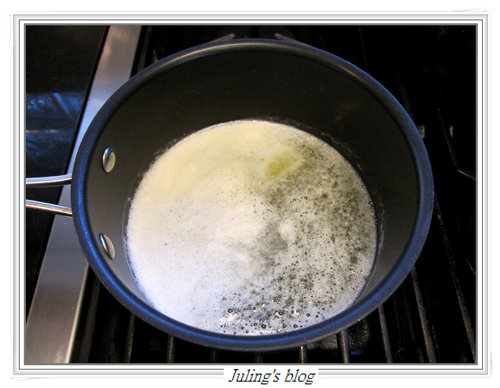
(431, 318)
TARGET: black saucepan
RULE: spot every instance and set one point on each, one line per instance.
(272, 80)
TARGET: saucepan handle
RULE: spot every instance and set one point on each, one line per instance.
(50, 181)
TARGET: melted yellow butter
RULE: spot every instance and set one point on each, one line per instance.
(282, 163)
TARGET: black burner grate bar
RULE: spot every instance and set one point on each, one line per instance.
(170, 349)
(302, 355)
(471, 338)
(428, 341)
(343, 341)
(213, 356)
(129, 338)
(384, 330)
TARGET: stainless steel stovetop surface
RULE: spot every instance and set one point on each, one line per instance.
(53, 316)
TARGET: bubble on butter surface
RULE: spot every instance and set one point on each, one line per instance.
(251, 227)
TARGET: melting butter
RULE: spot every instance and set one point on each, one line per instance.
(251, 227)
(281, 163)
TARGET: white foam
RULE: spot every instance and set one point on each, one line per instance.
(251, 227)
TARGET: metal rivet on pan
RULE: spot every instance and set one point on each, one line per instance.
(108, 159)
(107, 245)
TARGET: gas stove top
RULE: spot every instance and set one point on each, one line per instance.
(431, 318)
